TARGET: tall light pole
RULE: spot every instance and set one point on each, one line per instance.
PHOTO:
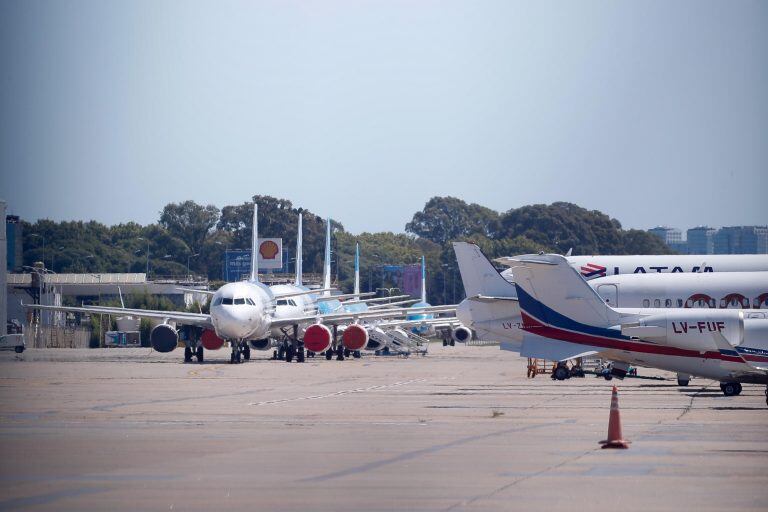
(190, 256)
(147, 240)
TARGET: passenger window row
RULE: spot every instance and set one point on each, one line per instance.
(708, 302)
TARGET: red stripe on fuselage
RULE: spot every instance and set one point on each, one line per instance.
(534, 326)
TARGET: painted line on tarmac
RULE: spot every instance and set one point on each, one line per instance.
(339, 393)
(423, 451)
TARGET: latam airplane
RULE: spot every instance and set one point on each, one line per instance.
(592, 267)
(564, 318)
(239, 312)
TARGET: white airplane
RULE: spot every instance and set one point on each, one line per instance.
(239, 312)
(592, 267)
(564, 318)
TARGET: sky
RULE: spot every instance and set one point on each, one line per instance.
(653, 112)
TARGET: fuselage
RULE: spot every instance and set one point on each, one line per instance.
(592, 267)
(242, 311)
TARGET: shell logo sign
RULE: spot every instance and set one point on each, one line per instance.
(270, 253)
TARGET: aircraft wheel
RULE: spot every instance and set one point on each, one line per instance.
(445, 343)
(300, 356)
(18, 349)
(356, 354)
(340, 354)
(682, 382)
(453, 343)
(187, 354)
(247, 353)
(328, 354)
(560, 373)
(346, 352)
(310, 354)
(730, 388)
(232, 358)
(289, 354)
(199, 354)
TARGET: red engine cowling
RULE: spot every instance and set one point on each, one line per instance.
(355, 337)
(210, 341)
(317, 338)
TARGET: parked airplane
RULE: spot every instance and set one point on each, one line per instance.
(592, 267)
(564, 318)
(239, 312)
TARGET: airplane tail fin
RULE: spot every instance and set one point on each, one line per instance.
(255, 244)
(357, 269)
(299, 248)
(479, 276)
(551, 291)
(327, 261)
(423, 280)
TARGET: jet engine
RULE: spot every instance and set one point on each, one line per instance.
(264, 344)
(461, 334)
(164, 338)
(690, 329)
(210, 340)
(355, 337)
(317, 338)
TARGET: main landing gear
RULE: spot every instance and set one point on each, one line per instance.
(189, 353)
(240, 351)
(731, 388)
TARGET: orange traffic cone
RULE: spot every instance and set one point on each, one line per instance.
(615, 439)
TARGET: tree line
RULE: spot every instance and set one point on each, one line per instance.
(197, 235)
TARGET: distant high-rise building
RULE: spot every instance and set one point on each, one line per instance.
(669, 235)
(701, 240)
(741, 240)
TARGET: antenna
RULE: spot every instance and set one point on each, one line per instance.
(254, 245)
(298, 253)
(357, 269)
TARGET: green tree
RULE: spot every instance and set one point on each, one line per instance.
(448, 218)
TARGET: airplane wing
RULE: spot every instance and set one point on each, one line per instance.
(195, 290)
(554, 350)
(305, 292)
(345, 317)
(181, 317)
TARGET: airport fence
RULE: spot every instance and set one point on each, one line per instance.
(46, 336)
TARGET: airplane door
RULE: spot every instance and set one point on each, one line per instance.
(610, 294)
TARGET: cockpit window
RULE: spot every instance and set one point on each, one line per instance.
(250, 301)
(282, 302)
(239, 300)
(227, 301)
(216, 301)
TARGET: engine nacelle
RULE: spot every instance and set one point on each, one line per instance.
(317, 338)
(210, 340)
(164, 338)
(264, 344)
(690, 329)
(355, 337)
(461, 334)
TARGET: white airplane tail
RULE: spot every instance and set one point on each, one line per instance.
(327, 261)
(479, 276)
(299, 248)
(423, 280)
(255, 245)
(357, 269)
(552, 292)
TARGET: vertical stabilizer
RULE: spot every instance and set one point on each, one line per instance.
(255, 245)
(357, 269)
(551, 291)
(479, 276)
(423, 280)
(327, 261)
(298, 253)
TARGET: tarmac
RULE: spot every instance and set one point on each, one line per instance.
(459, 429)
